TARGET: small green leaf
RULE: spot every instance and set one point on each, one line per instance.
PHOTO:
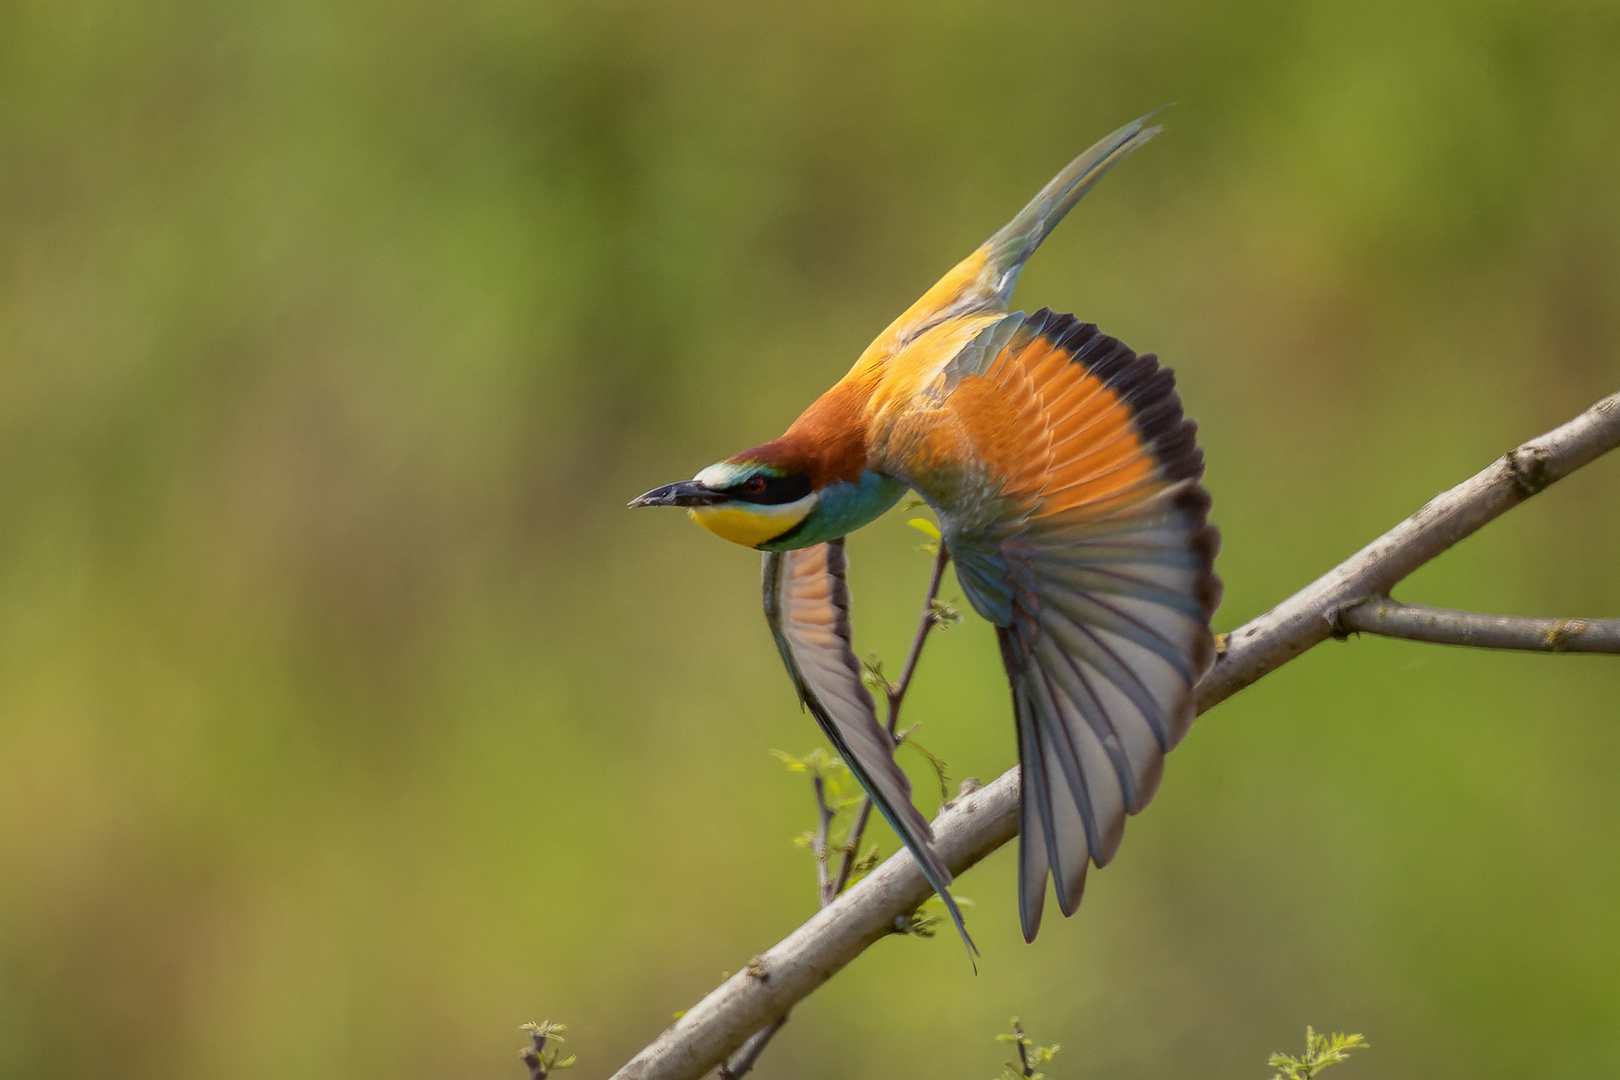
(1029, 1055)
(922, 924)
(872, 675)
(926, 527)
(866, 863)
(1320, 1052)
(793, 764)
(945, 613)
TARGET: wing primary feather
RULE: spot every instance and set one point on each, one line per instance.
(1071, 832)
(807, 607)
(1132, 628)
(1098, 719)
(1058, 742)
(1125, 679)
(1137, 585)
(1033, 866)
(1067, 831)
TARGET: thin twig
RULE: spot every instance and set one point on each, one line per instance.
(824, 885)
(857, 830)
(930, 619)
(531, 1056)
(534, 1056)
(743, 1060)
(1442, 626)
(979, 823)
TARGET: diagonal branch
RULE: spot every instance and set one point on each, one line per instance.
(1442, 626)
(1306, 618)
(982, 821)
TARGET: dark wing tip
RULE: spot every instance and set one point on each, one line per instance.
(1204, 541)
(1145, 386)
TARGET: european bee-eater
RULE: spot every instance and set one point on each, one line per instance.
(1065, 480)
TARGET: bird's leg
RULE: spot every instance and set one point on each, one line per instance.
(896, 695)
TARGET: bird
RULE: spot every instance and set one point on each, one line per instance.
(1065, 478)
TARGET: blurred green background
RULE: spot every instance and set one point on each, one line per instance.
(348, 720)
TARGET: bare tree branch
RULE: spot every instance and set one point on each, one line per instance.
(1442, 626)
(1307, 618)
(978, 823)
(877, 906)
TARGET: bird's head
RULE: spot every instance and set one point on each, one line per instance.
(749, 499)
(785, 494)
(806, 486)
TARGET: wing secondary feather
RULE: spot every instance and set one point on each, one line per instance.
(807, 606)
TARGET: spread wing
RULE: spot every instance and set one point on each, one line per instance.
(807, 606)
(1065, 477)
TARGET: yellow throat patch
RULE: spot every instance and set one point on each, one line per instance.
(750, 524)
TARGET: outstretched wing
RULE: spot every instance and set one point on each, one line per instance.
(807, 606)
(1066, 480)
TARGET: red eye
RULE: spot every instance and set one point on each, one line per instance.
(755, 485)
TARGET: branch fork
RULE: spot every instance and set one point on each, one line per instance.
(1388, 617)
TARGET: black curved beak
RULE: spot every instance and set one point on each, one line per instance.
(680, 493)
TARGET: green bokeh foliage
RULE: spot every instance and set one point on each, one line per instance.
(347, 719)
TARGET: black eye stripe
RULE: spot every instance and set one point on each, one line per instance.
(777, 489)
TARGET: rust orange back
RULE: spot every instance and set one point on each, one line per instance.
(1041, 427)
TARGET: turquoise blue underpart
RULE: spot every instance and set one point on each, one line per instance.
(841, 508)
